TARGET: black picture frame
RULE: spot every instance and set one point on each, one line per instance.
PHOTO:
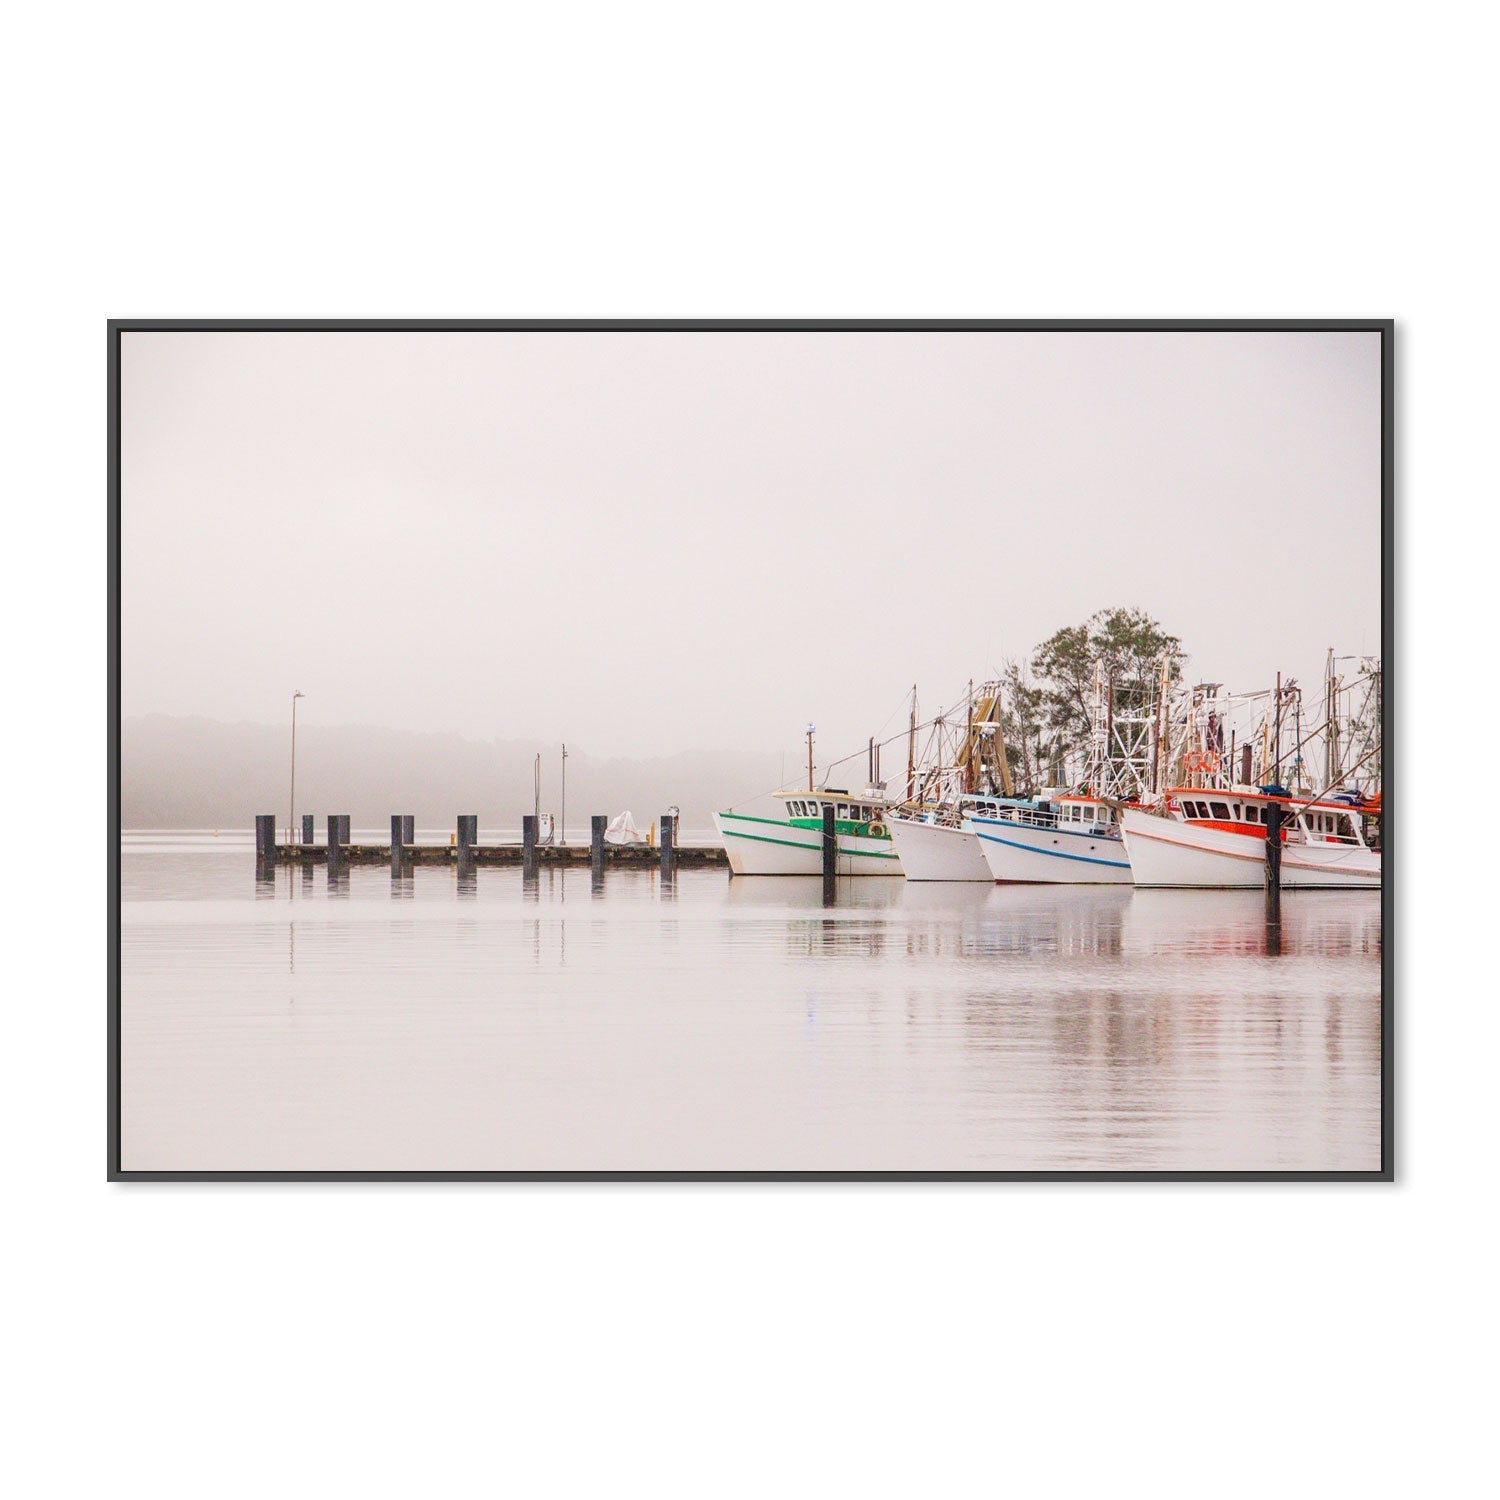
(1385, 327)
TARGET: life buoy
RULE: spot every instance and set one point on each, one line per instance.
(877, 831)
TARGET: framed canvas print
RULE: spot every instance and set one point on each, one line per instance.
(750, 749)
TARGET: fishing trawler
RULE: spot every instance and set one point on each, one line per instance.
(940, 843)
(1066, 840)
(1216, 837)
(790, 840)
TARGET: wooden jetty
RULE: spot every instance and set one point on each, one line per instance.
(465, 851)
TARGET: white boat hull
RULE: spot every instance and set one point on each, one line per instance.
(1050, 856)
(767, 846)
(1165, 852)
(938, 851)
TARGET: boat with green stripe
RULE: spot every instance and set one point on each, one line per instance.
(787, 838)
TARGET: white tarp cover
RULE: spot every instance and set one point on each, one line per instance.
(622, 830)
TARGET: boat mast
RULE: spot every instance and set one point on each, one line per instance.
(911, 749)
(809, 757)
(997, 717)
(1331, 714)
(1277, 776)
(969, 743)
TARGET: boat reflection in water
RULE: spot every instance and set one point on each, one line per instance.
(716, 1024)
(1038, 922)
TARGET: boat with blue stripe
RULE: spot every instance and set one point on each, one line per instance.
(1067, 840)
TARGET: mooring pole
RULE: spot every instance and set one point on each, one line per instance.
(669, 843)
(398, 853)
(408, 829)
(528, 843)
(1274, 815)
(338, 833)
(597, 824)
(468, 837)
(265, 843)
(830, 855)
(307, 828)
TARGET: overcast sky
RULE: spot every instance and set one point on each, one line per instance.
(645, 542)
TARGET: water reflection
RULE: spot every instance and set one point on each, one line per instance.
(1331, 924)
(698, 1022)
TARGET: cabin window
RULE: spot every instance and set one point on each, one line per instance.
(843, 811)
(1252, 814)
(1220, 811)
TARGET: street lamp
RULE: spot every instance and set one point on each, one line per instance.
(563, 832)
(291, 836)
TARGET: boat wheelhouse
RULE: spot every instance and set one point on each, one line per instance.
(939, 843)
(789, 841)
(1067, 840)
(1213, 836)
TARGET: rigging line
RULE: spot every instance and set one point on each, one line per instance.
(855, 754)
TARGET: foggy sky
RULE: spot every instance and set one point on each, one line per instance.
(641, 543)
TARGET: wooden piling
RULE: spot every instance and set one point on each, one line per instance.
(338, 842)
(408, 829)
(597, 824)
(338, 849)
(265, 842)
(398, 842)
(307, 829)
(468, 839)
(1274, 817)
(830, 855)
(528, 844)
(669, 843)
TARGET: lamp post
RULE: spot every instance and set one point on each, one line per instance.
(292, 811)
(563, 831)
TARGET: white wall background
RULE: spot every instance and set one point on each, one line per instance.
(775, 159)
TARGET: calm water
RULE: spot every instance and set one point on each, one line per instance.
(715, 1024)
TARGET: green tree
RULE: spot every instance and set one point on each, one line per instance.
(1022, 720)
(1126, 645)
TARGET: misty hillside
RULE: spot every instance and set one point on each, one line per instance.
(198, 773)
